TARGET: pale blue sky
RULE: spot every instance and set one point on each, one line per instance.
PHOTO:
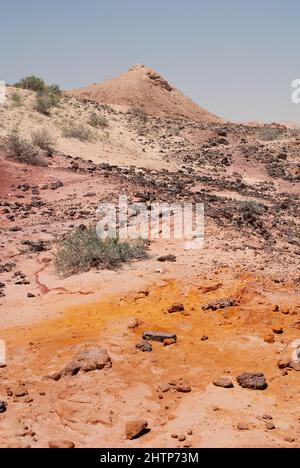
(236, 58)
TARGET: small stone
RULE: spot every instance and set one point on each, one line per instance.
(183, 388)
(277, 329)
(269, 339)
(20, 392)
(285, 311)
(289, 439)
(61, 444)
(275, 308)
(144, 346)
(243, 427)
(176, 308)
(181, 438)
(164, 388)
(174, 436)
(135, 323)
(2, 407)
(135, 429)
(30, 295)
(204, 338)
(169, 342)
(223, 382)
(284, 363)
(270, 426)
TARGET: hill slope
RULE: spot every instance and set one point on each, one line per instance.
(143, 87)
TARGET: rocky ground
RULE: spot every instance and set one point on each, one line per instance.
(82, 368)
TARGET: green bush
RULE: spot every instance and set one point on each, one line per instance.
(33, 83)
(22, 151)
(82, 250)
(80, 132)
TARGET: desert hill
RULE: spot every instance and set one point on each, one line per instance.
(143, 87)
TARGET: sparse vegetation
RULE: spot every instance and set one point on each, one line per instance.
(82, 250)
(98, 121)
(79, 131)
(16, 100)
(269, 133)
(47, 95)
(43, 140)
(22, 151)
(44, 103)
(33, 83)
(139, 113)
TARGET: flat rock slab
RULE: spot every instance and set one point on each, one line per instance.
(158, 336)
(86, 361)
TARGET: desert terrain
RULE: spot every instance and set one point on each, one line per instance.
(229, 309)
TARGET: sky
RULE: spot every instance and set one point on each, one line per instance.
(236, 58)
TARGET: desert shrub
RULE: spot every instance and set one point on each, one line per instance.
(78, 131)
(22, 151)
(98, 121)
(43, 140)
(33, 83)
(174, 131)
(49, 98)
(82, 250)
(16, 100)
(44, 103)
(269, 133)
(139, 113)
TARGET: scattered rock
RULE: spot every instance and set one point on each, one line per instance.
(270, 426)
(2, 407)
(224, 382)
(135, 429)
(243, 427)
(167, 258)
(183, 388)
(217, 305)
(289, 439)
(158, 336)
(252, 381)
(144, 346)
(277, 329)
(176, 308)
(133, 324)
(164, 388)
(284, 363)
(61, 444)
